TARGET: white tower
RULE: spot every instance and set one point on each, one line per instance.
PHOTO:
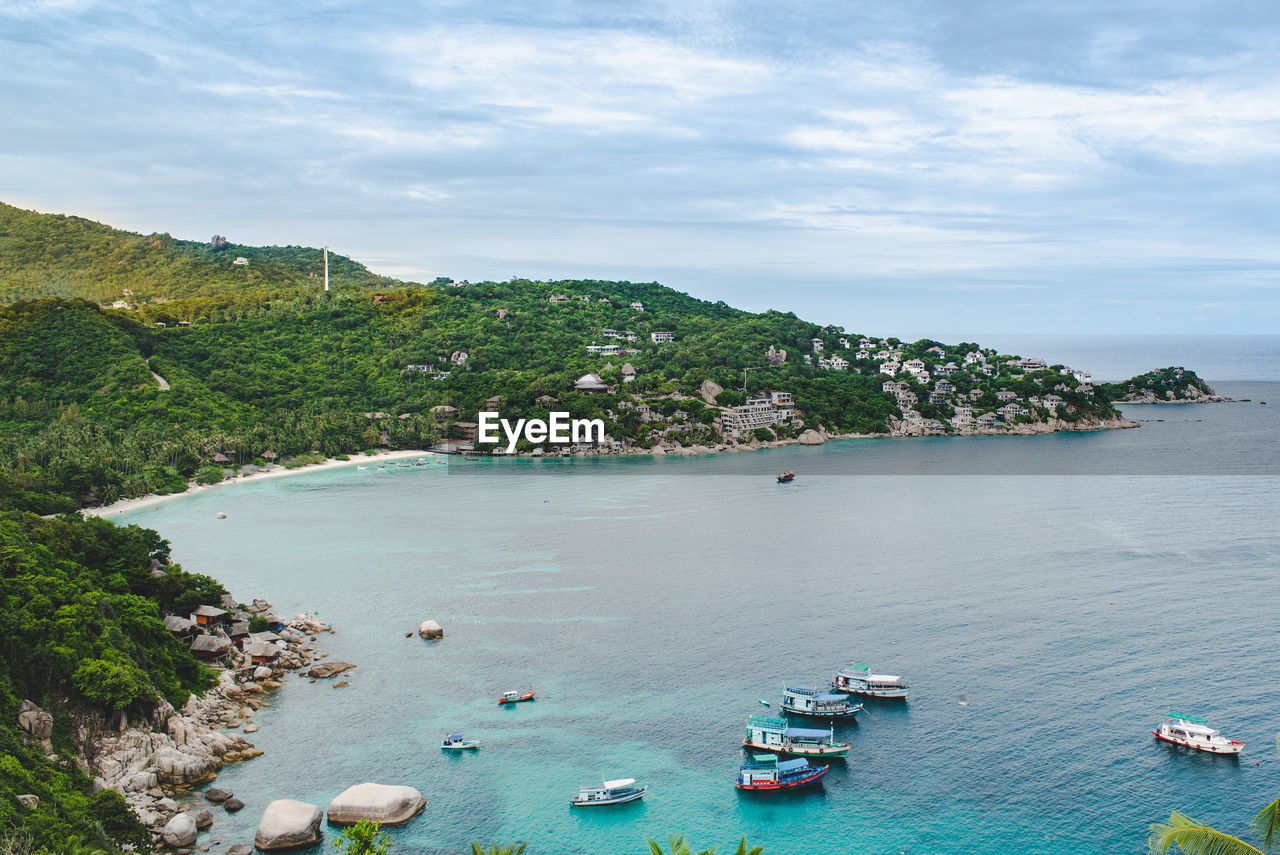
(326, 268)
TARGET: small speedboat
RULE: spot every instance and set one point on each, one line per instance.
(767, 772)
(458, 742)
(515, 696)
(787, 477)
(1192, 732)
(608, 793)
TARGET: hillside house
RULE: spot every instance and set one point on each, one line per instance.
(817, 344)
(210, 647)
(590, 383)
(662, 336)
(208, 617)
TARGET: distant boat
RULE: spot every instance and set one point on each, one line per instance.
(472, 458)
(764, 702)
(1192, 732)
(457, 742)
(773, 734)
(858, 680)
(766, 772)
(362, 467)
(787, 477)
(608, 793)
(803, 700)
(516, 696)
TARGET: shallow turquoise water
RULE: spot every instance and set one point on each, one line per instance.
(652, 602)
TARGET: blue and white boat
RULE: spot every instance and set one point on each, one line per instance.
(804, 700)
(458, 742)
(608, 793)
(774, 734)
(767, 772)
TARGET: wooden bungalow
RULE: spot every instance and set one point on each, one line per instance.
(220, 458)
(262, 652)
(239, 632)
(269, 637)
(208, 616)
(209, 647)
(275, 623)
(179, 627)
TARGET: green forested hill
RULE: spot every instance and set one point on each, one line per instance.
(50, 255)
(273, 363)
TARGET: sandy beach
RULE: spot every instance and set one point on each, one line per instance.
(125, 505)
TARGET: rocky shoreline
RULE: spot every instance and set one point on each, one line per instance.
(155, 763)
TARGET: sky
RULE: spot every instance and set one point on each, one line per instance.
(895, 167)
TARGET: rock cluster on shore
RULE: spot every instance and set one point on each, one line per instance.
(155, 760)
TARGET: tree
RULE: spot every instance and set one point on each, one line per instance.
(1194, 838)
(477, 849)
(363, 838)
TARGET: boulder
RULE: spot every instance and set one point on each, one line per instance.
(262, 672)
(233, 804)
(328, 669)
(430, 629)
(34, 721)
(376, 802)
(287, 824)
(708, 390)
(179, 831)
(240, 849)
(203, 817)
(811, 437)
(30, 801)
(167, 805)
(217, 794)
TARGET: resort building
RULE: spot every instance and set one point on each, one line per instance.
(662, 336)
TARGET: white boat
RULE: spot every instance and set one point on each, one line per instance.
(804, 700)
(458, 742)
(1193, 732)
(608, 793)
(858, 680)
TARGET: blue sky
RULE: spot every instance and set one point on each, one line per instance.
(902, 168)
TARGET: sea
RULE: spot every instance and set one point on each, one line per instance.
(1049, 599)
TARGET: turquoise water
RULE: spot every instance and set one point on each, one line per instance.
(652, 602)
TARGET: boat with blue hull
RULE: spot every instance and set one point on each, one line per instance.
(608, 793)
(767, 733)
(804, 700)
(767, 772)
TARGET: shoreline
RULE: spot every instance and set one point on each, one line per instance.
(123, 506)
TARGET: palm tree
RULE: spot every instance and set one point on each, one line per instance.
(1194, 838)
(680, 847)
(477, 849)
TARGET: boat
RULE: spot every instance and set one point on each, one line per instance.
(608, 793)
(767, 772)
(1195, 733)
(471, 458)
(773, 734)
(803, 700)
(515, 696)
(787, 477)
(858, 680)
(458, 742)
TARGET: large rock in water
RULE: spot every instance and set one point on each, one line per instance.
(328, 669)
(179, 831)
(811, 437)
(430, 629)
(288, 824)
(377, 802)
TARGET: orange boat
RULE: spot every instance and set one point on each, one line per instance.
(515, 696)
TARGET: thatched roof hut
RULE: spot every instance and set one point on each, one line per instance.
(210, 646)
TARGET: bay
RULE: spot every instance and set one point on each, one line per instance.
(1070, 589)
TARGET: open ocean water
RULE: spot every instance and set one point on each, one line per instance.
(1071, 588)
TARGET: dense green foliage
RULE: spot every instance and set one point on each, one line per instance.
(80, 633)
(1169, 384)
(363, 838)
(52, 255)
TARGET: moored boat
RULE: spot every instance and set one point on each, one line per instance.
(803, 700)
(767, 772)
(787, 477)
(1193, 732)
(858, 680)
(458, 742)
(773, 734)
(515, 696)
(608, 793)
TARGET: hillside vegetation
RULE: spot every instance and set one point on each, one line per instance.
(273, 367)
